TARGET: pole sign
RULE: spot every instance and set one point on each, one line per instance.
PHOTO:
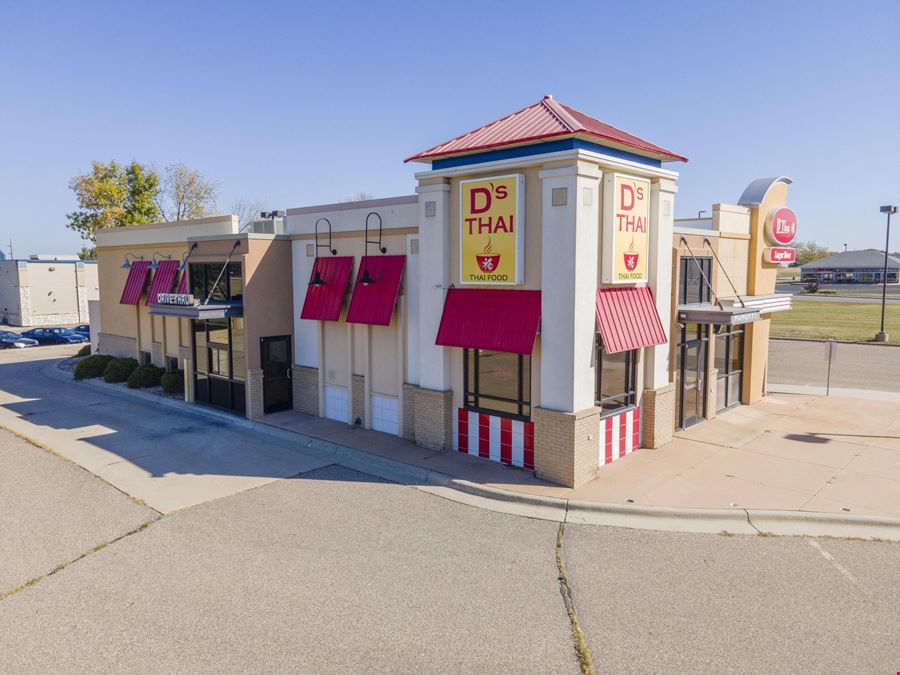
(780, 255)
(492, 230)
(781, 226)
(780, 230)
(626, 229)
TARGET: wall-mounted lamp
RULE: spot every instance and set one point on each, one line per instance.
(317, 279)
(185, 256)
(126, 265)
(366, 278)
(154, 259)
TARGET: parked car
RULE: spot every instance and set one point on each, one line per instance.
(10, 340)
(83, 329)
(55, 336)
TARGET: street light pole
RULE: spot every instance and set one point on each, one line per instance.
(881, 336)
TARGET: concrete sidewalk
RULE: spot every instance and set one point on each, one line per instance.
(788, 452)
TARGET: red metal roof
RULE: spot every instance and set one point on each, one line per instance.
(163, 280)
(627, 319)
(545, 119)
(502, 320)
(374, 303)
(324, 302)
(135, 283)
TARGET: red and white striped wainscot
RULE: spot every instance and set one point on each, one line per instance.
(620, 434)
(499, 439)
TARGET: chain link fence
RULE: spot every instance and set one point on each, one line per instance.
(829, 364)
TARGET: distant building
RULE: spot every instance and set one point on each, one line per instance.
(46, 290)
(849, 267)
(2, 255)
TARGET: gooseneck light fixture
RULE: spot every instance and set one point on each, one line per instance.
(366, 278)
(156, 257)
(185, 256)
(126, 265)
(317, 279)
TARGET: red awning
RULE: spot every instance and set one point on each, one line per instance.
(374, 303)
(163, 280)
(502, 320)
(134, 284)
(324, 302)
(627, 319)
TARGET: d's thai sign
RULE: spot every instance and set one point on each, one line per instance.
(626, 230)
(492, 230)
(781, 226)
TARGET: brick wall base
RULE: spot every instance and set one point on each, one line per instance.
(306, 389)
(565, 445)
(358, 400)
(409, 412)
(118, 345)
(658, 413)
(433, 418)
(255, 394)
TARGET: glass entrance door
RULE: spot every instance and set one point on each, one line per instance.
(729, 363)
(691, 375)
(275, 357)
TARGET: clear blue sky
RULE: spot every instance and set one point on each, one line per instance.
(304, 103)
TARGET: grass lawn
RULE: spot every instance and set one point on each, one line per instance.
(836, 320)
(788, 274)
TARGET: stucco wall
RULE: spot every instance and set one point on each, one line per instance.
(10, 293)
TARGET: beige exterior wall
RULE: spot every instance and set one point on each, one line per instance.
(10, 292)
(43, 293)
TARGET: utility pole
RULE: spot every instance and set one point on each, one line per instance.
(11, 256)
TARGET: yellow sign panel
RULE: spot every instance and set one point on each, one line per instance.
(492, 230)
(626, 241)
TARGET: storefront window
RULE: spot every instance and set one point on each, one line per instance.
(729, 366)
(497, 382)
(693, 289)
(208, 280)
(616, 378)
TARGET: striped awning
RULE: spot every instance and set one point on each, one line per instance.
(323, 302)
(163, 279)
(135, 283)
(627, 319)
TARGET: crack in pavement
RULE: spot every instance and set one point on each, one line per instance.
(585, 660)
(59, 568)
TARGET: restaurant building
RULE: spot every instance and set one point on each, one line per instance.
(534, 303)
(205, 297)
(853, 267)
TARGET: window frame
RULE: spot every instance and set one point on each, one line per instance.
(473, 398)
(630, 393)
(691, 263)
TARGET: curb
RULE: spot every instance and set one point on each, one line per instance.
(556, 509)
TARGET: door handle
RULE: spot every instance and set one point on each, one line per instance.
(290, 373)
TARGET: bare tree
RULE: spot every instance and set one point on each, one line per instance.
(186, 194)
(246, 210)
(358, 197)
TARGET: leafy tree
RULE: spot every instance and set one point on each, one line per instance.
(87, 253)
(358, 197)
(809, 251)
(186, 194)
(113, 196)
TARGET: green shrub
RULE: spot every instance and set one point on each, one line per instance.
(84, 351)
(145, 376)
(173, 382)
(119, 370)
(92, 366)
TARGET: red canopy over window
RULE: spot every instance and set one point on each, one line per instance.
(183, 282)
(373, 304)
(627, 319)
(501, 320)
(163, 280)
(324, 302)
(135, 283)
